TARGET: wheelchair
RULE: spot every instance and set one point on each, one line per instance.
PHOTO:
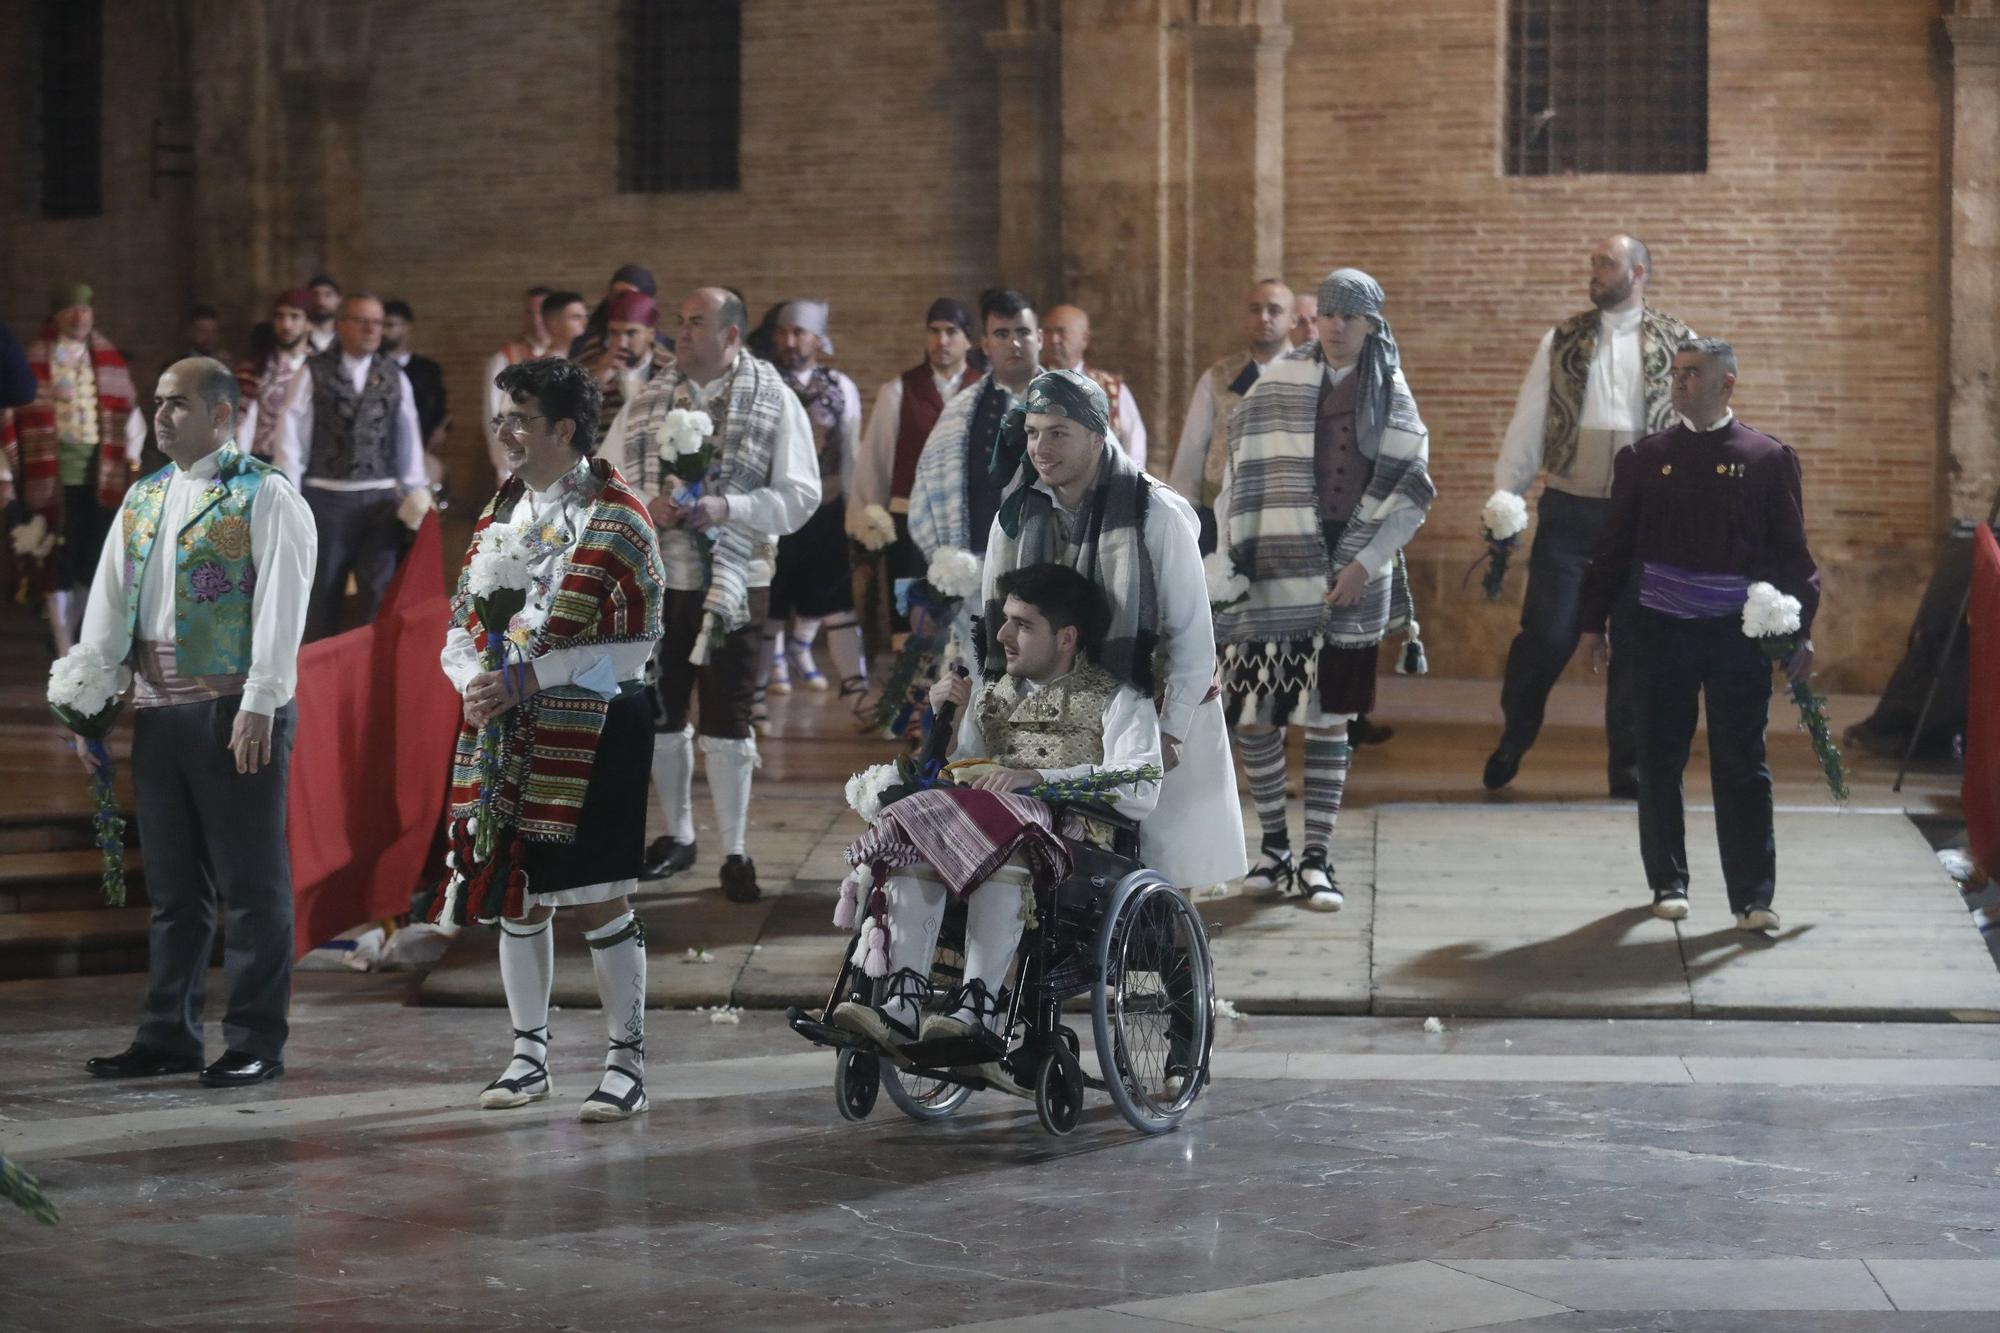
(1112, 930)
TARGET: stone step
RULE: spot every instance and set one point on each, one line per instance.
(62, 881)
(70, 944)
(53, 831)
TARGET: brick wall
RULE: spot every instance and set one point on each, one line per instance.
(1812, 244)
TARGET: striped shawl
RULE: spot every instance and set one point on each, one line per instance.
(30, 441)
(1273, 531)
(609, 592)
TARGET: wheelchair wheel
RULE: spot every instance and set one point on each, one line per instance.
(1058, 1090)
(923, 1098)
(856, 1080)
(1153, 1007)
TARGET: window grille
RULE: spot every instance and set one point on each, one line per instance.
(66, 150)
(680, 95)
(1606, 86)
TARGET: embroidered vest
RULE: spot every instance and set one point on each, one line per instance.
(353, 434)
(1571, 351)
(826, 409)
(215, 574)
(1228, 380)
(921, 408)
(270, 392)
(1058, 726)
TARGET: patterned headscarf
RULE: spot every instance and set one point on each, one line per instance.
(1056, 393)
(1349, 291)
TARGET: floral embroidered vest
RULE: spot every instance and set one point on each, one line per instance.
(1571, 351)
(215, 575)
(1060, 725)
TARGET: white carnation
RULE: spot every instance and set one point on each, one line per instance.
(864, 790)
(1226, 586)
(1505, 515)
(501, 560)
(684, 432)
(876, 528)
(954, 572)
(33, 540)
(83, 682)
(1770, 614)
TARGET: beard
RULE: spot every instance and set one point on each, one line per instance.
(1614, 295)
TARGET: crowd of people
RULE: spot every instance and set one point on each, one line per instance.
(687, 503)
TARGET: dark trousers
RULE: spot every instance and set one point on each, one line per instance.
(209, 832)
(85, 525)
(1713, 661)
(902, 559)
(1565, 539)
(359, 534)
(728, 680)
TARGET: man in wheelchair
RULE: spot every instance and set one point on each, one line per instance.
(1054, 717)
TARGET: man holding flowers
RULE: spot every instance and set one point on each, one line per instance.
(553, 622)
(721, 451)
(199, 603)
(1699, 515)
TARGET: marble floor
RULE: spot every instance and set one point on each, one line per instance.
(1341, 1173)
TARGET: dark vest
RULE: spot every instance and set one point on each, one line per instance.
(1340, 472)
(353, 434)
(826, 409)
(982, 493)
(921, 408)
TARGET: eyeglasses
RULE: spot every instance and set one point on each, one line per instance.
(514, 422)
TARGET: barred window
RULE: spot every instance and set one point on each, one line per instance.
(1606, 86)
(680, 95)
(64, 161)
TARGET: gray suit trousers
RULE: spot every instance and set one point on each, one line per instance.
(209, 833)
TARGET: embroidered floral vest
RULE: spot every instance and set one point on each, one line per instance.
(1571, 351)
(1058, 726)
(215, 576)
(353, 434)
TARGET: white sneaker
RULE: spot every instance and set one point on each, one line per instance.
(1758, 919)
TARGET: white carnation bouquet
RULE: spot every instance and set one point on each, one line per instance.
(874, 529)
(1227, 585)
(497, 578)
(1503, 519)
(866, 789)
(85, 696)
(1775, 622)
(687, 449)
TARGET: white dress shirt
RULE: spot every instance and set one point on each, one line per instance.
(780, 506)
(1191, 454)
(292, 449)
(1131, 740)
(598, 667)
(875, 455)
(1614, 402)
(284, 544)
(320, 338)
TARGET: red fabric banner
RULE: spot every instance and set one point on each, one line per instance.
(371, 760)
(1981, 790)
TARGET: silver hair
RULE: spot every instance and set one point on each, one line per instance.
(1716, 350)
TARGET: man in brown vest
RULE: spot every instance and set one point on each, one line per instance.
(885, 463)
(1204, 443)
(1599, 381)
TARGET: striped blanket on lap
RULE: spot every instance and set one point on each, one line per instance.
(963, 834)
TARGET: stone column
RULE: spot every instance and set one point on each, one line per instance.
(1029, 118)
(233, 124)
(1973, 372)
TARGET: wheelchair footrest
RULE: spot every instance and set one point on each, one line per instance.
(951, 1052)
(824, 1034)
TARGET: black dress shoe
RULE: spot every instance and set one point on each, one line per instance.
(141, 1061)
(1501, 766)
(666, 856)
(1363, 732)
(239, 1070)
(739, 880)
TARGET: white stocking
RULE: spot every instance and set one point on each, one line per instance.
(730, 763)
(843, 646)
(527, 971)
(993, 923)
(673, 782)
(618, 956)
(804, 630)
(916, 914)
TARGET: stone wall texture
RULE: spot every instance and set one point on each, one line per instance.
(454, 151)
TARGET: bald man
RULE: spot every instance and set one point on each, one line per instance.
(1305, 319)
(719, 548)
(1600, 380)
(1198, 459)
(1065, 339)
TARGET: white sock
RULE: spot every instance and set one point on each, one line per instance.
(730, 763)
(916, 914)
(774, 651)
(673, 781)
(618, 955)
(843, 645)
(57, 610)
(527, 971)
(992, 935)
